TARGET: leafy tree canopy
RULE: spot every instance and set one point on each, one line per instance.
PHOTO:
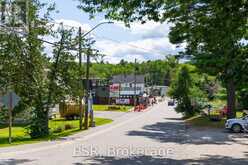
(215, 32)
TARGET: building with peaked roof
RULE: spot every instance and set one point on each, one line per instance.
(140, 79)
(124, 88)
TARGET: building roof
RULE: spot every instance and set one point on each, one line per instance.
(128, 79)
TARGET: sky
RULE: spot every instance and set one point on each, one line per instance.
(144, 42)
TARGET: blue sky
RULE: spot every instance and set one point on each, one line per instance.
(144, 42)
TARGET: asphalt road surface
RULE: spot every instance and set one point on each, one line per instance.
(157, 136)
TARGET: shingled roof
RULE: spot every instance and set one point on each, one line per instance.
(128, 79)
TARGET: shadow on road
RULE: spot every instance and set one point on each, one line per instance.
(177, 132)
(175, 118)
(15, 161)
(163, 132)
(149, 160)
(246, 154)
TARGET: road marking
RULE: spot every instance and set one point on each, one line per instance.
(86, 137)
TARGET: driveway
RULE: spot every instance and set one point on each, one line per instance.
(157, 136)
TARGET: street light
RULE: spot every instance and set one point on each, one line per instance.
(85, 34)
(87, 76)
(81, 36)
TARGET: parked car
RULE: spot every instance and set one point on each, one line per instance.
(171, 103)
(237, 125)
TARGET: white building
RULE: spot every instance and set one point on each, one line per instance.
(126, 87)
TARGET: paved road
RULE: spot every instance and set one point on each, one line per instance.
(157, 136)
(109, 114)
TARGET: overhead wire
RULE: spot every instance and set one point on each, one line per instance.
(116, 41)
(133, 46)
(97, 36)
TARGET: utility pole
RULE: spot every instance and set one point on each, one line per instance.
(10, 116)
(27, 22)
(92, 122)
(80, 79)
(2, 5)
(119, 91)
(86, 116)
(135, 83)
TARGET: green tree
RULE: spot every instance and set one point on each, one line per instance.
(212, 30)
(180, 90)
(40, 80)
(23, 60)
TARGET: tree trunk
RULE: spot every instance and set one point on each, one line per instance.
(46, 127)
(231, 99)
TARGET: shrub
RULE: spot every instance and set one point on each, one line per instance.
(114, 107)
(3, 116)
(68, 126)
(38, 126)
(58, 130)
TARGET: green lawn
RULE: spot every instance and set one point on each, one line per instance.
(203, 121)
(21, 137)
(106, 108)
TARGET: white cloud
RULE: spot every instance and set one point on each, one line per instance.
(143, 49)
(67, 24)
(152, 42)
(150, 29)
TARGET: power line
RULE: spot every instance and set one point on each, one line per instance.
(133, 46)
(42, 40)
(61, 23)
(19, 32)
(98, 36)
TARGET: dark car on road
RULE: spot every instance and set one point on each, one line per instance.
(171, 103)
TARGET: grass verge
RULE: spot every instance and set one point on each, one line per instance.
(20, 136)
(204, 121)
(106, 108)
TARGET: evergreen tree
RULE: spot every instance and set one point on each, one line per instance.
(180, 90)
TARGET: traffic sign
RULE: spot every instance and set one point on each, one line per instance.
(10, 99)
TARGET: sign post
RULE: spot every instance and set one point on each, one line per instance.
(10, 116)
(10, 100)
